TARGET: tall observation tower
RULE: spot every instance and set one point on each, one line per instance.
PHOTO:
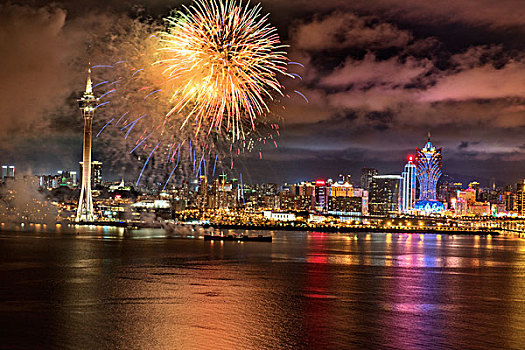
(87, 104)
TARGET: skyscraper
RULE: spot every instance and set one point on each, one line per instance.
(321, 195)
(408, 187)
(87, 104)
(96, 173)
(202, 199)
(428, 172)
(428, 164)
(366, 177)
(384, 194)
(520, 198)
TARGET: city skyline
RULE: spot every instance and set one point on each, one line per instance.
(268, 174)
(390, 77)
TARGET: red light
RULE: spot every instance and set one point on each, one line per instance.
(320, 182)
(410, 158)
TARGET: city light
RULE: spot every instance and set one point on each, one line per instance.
(229, 174)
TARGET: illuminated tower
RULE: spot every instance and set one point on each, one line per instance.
(408, 187)
(87, 104)
(428, 170)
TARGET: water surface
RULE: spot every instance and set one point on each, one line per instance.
(107, 289)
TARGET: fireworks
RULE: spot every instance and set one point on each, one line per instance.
(221, 60)
(190, 97)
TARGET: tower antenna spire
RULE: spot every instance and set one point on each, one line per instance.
(89, 88)
(429, 136)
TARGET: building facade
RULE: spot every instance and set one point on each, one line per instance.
(428, 170)
(8, 172)
(520, 198)
(384, 194)
(340, 205)
(367, 175)
(407, 194)
(321, 195)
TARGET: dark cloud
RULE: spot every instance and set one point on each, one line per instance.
(463, 145)
(370, 71)
(497, 15)
(484, 82)
(341, 30)
(375, 81)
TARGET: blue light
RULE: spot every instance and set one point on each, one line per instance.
(429, 206)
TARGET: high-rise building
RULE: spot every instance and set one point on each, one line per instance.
(384, 194)
(447, 191)
(367, 175)
(428, 164)
(468, 196)
(408, 187)
(299, 196)
(202, 198)
(321, 195)
(345, 205)
(222, 194)
(509, 198)
(341, 190)
(237, 193)
(289, 201)
(520, 198)
(96, 173)
(8, 172)
(428, 172)
(87, 104)
(216, 194)
(303, 189)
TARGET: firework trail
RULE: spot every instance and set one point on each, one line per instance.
(198, 91)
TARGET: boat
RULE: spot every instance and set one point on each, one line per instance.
(243, 238)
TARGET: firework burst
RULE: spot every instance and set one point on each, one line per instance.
(221, 61)
(189, 98)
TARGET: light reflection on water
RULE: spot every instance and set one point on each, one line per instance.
(93, 287)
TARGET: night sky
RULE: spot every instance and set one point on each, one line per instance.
(379, 75)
